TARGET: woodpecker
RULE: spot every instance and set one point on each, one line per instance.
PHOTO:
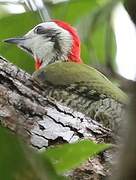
(55, 46)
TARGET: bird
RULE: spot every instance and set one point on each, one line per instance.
(59, 68)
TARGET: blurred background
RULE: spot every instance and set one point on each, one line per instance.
(107, 33)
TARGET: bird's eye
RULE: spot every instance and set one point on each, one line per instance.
(39, 30)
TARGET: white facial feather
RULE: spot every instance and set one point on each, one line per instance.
(43, 47)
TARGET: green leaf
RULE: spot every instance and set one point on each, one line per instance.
(71, 11)
(18, 162)
(97, 34)
(68, 156)
(98, 42)
(85, 53)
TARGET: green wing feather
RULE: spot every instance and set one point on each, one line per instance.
(65, 74)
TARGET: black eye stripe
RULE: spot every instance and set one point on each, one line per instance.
(50, 32)
(47, 32)
(27, 49)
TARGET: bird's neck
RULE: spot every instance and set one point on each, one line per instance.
(71, 57)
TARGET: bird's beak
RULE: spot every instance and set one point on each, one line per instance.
(21, 42)
(17, 41)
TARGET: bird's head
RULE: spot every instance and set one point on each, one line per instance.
(50, 42)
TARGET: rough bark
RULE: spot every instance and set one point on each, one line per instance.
(43, 122)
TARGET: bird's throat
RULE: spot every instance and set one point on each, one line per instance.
(38, 63)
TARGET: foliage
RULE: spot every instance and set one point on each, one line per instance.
(68, 156)
(19, 162)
